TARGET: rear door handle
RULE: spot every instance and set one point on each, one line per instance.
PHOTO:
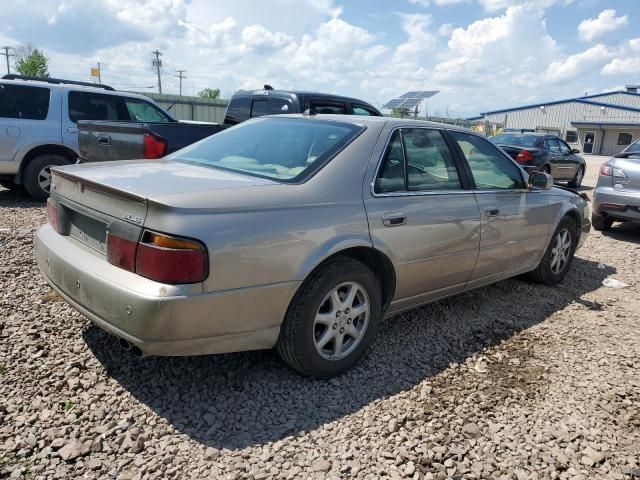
(104, 140)
(72, 129)
(492, 211)
(394, 219)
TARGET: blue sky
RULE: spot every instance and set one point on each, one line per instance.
(480, 54)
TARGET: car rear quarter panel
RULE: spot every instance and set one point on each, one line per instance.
(274, 233)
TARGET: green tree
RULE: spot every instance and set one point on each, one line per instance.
(209, 93)
(31, 61)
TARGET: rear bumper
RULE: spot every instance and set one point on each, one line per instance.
(161, 319)
(618, 204)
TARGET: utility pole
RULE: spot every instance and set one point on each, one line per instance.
(7, 55)
(157, 63)
(181, 76)
(99, 73)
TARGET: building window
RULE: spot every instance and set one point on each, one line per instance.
(624, 139)
(572, 136)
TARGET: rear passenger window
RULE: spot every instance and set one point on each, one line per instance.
(328, 107)
(391, 174)
(270, 106)
(362, 110)
(429, 162)
(27, 103)
(96, 106)
(424, 156)
(141, 111)
(490, 168)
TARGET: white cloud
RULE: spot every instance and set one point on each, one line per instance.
(578, 64)
(259, 38)
(424, 3)
(445, 29)
(606, 22)
(634, 44)
(622, 66)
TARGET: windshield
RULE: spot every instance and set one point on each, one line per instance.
(284, 149)
(519, 139)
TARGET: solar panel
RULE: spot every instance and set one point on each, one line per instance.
(419, 94)
(411, 94)
(393, 103)
(426, 94)
(410, 102)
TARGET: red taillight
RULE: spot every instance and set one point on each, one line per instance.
(52, 215)
(153, 147)
(160, 257)
(524, 156)
(122, 252)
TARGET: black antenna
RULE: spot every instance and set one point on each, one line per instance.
(268, 87)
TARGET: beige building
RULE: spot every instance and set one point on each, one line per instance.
(601, 124)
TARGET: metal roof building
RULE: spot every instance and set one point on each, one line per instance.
(602, 124)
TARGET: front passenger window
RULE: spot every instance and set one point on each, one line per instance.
(490, 168)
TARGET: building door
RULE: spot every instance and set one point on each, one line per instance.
(589, 140)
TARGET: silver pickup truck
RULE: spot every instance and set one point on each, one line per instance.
(39, 124)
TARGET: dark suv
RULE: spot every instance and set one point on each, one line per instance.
(255, 103)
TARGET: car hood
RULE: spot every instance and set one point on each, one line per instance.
(161, 178)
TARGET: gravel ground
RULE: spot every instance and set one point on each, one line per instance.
(510, 381)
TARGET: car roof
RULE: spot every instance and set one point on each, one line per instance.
(286, 93)
(373, 120)
(71, 86)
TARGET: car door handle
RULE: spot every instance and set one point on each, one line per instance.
(72, 129)
(492, 211)
(104, 140)
(394, 219)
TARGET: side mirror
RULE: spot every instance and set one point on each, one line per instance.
(574, 150)
(540, 180)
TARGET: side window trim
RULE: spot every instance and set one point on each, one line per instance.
(469, 174)
(466, 187)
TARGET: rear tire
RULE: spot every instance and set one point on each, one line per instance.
(601, 223)
(559, 255)
(328, 326)
(577, 180)
(37, 175)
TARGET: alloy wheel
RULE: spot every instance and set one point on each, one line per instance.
(44, 178)
(341, 321)
(561, 251)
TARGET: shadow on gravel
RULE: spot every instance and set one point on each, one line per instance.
(18, 199)
(243, 399)
(624, 232)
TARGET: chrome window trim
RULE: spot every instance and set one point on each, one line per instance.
(409, 193)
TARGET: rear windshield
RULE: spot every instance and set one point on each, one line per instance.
(284, 149)
(521, 140)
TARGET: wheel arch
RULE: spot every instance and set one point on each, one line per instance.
(379, 263)
(46, 149)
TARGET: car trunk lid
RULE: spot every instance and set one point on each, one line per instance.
(631, 168)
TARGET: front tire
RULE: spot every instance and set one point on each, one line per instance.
(559, 255)
(601, 223)
(332, 319)
(37, 175)
(577, 180)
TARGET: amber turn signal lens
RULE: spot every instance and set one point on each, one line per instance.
(164, 241)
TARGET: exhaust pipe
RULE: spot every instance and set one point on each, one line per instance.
(136, 351)
(124, 344)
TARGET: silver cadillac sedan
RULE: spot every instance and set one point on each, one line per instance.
(301, 232)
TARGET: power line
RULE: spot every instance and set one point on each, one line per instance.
(180, 76)
(7, 55)
(157, 63)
